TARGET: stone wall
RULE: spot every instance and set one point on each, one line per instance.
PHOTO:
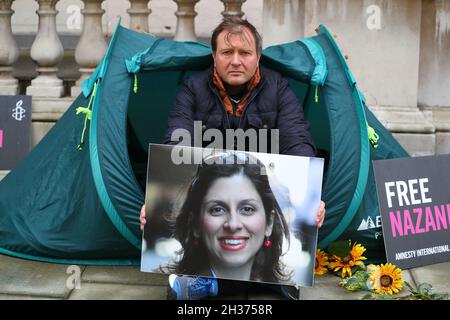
(398, 52)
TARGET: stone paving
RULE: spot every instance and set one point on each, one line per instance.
(24, 279)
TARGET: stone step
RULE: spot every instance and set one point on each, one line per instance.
(438, 275)
(327, 288)
(17, 297)
(107, 291)
(34, 279)
(123, 275)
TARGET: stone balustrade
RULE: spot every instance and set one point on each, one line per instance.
(403, 64)
(50, 96)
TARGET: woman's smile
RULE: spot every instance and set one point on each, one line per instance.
(233, 243)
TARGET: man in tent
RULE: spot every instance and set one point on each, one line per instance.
(238, 93)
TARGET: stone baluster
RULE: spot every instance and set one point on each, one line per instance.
(92, 44)
(9, 52)
(139, 13)
(185, 20)
(233, 8)
(47, 51)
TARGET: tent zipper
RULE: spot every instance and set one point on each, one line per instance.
(88, 112)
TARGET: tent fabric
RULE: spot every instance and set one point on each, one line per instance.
(64, 205)
(49, 207)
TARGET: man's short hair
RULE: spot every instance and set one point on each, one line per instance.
(236, 26)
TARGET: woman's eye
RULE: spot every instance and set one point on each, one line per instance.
(215, 211)
(247, 210)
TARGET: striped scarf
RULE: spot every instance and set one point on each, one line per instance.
(251, 84)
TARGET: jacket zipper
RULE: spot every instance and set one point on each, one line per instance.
(223, 106)
(248, 102)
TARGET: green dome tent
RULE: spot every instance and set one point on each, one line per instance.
(81, 205)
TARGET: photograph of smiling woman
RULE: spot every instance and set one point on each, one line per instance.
(230, 225)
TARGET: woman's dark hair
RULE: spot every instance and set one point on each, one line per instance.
(236, 26)
(267, 266)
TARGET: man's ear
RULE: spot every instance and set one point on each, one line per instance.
(269, 225)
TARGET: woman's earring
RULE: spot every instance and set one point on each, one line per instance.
(267, 243)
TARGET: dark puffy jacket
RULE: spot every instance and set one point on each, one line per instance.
(272, 105)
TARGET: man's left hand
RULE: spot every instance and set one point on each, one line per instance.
(320, 216)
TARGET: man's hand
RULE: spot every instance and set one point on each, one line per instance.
(142, 217)
(320, 216)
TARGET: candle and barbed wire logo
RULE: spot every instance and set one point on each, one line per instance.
(74, 279)
(18, 111)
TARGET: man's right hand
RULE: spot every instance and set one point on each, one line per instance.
(142, 217)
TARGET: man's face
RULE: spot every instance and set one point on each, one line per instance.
(236, 58)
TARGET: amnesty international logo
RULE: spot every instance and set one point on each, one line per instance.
(368, 223)
(18, 111)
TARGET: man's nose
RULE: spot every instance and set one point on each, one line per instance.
(236, 59)
(233, 222)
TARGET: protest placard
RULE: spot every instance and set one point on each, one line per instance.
(414, 199)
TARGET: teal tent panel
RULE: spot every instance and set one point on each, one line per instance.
(293, 60)
(165, 54)
(365, 227)
(337, 96)
(116, 185)
(49, 207)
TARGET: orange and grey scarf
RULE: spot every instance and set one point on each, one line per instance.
(251, 84)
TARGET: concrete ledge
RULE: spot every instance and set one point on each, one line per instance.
(124, 275)
(29, 278)
(417, 144)
(38, 131)
(50, 109)
(442, 142)
(91, 291)
(327, 288)
(439, 117)
(16, 297)
(403, 119)
(438, 275)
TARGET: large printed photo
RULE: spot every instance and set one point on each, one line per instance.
(231, 214)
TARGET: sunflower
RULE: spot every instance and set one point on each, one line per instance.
(353, 259)
(321, 263)
(386, 279)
